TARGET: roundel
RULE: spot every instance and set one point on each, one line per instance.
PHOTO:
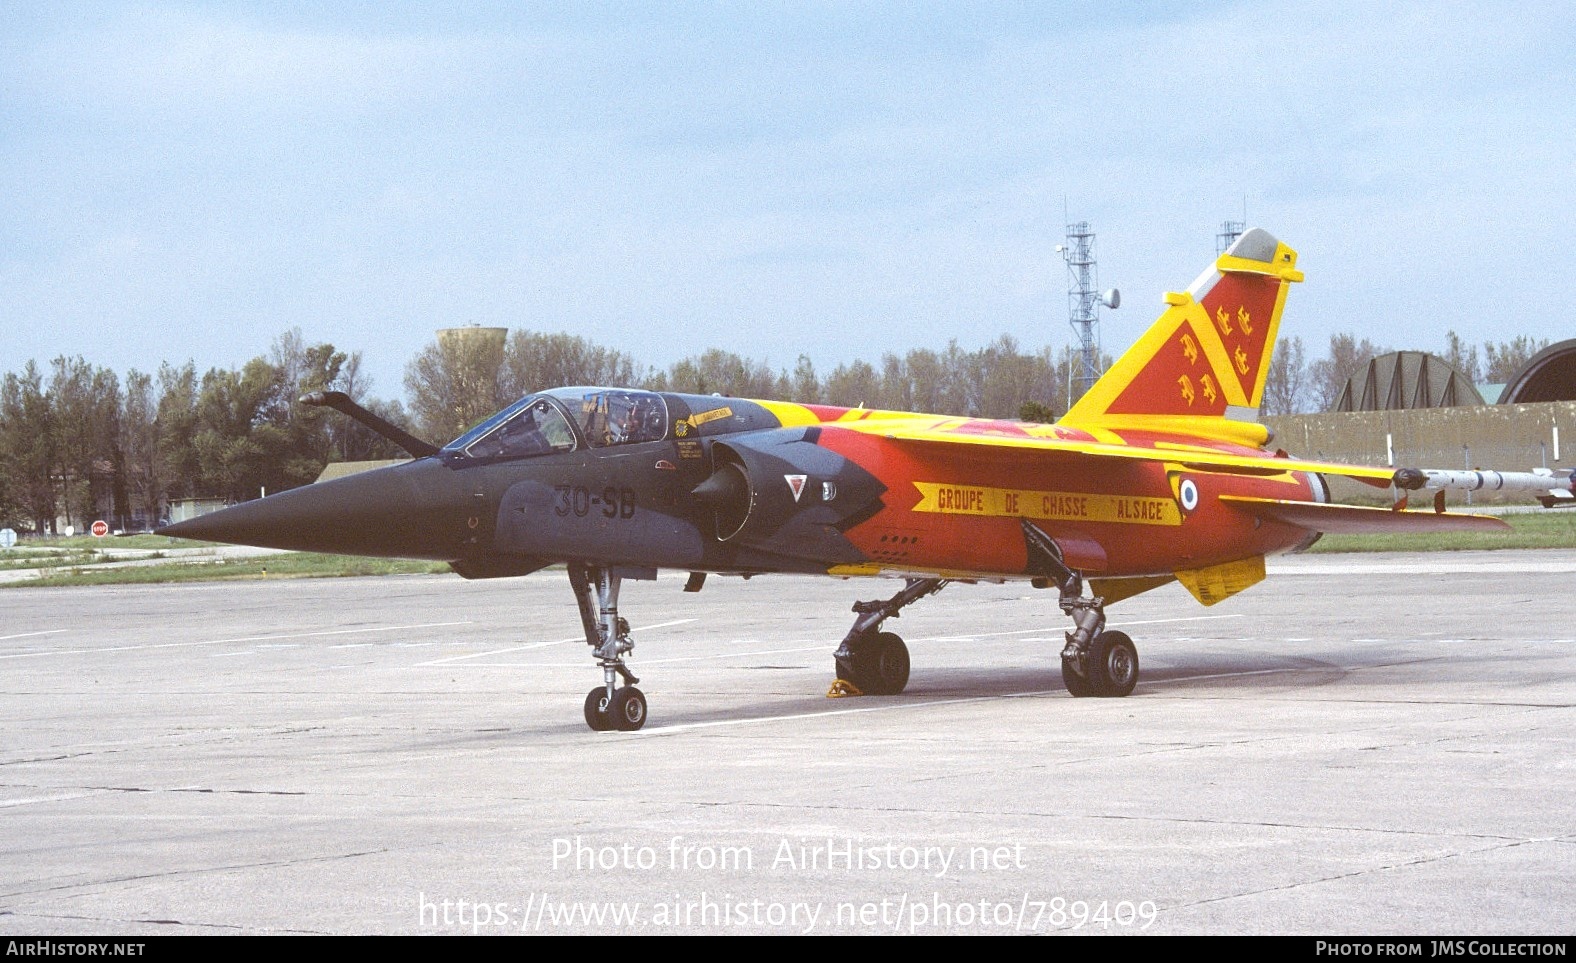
(1189, 493)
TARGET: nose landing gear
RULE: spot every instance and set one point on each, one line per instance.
(608, 706)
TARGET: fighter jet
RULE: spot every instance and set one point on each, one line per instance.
(1162, 472)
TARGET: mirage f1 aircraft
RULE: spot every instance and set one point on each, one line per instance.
(1161, 472)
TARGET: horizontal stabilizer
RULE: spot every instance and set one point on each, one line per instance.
(1356, 520)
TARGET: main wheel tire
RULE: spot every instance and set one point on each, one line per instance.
(1077, 686)
(848, 670)
(884, 665)
(628, 710)
(1113, 664)
(596, 710)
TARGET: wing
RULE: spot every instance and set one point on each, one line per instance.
(1355, 519)
(1194, 456)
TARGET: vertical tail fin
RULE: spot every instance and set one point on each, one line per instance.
(1205, 360)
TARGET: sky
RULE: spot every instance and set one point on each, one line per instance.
(843, 179)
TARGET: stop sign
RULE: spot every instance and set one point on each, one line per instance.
(100, 529)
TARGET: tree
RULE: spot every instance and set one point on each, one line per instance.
(176, 424)
(1504, 360)
(85, 403)
(1286, 385)
(1330, 374)
(312, 433)
(454, 383)
(805, 387)
(534, 362)
(139, 444)
(27, 445)
(242, 446)
(1463, 357)
(1007, 378)
(1036, 411)
(718, 372)
(854, 385)
(931, 383)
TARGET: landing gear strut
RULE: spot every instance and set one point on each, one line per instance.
(607, 706)
(1094, 662)
(871, 661)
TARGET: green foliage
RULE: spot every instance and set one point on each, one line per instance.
(27, 449)
(1034, 411)
(78, 448)
(454, 383)
(1501, 361)
(719, 372)
(289, 565)
(993, 382)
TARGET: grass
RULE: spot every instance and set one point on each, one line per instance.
(289, 565)
(15, 559)
(89, 543)
(1552, 528)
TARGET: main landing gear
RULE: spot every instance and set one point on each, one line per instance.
(872, 662)
(608, 706)
(1094, 662)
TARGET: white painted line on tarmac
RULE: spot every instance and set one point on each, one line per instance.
(29, 635)
(1185, 618)
(458, 659)
(7, 804)
(733, 655)
(251, 638)
(818, 647)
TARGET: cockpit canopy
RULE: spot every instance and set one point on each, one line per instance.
(617, 416)
(541, 423)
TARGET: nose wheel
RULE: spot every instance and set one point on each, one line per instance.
(625, 712)
(609, 706)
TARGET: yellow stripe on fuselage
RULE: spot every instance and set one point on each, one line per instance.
(949, 499)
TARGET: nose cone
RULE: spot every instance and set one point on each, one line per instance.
(408, 511)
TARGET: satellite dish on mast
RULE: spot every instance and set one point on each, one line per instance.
(1112, 298)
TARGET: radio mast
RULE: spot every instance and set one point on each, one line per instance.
(1083, 308)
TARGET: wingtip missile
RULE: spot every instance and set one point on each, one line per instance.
(1551, 486)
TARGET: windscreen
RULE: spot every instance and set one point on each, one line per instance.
(531, 426)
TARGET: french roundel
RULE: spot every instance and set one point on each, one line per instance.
(1189, 493)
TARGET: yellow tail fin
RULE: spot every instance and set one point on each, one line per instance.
(1203, 363)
